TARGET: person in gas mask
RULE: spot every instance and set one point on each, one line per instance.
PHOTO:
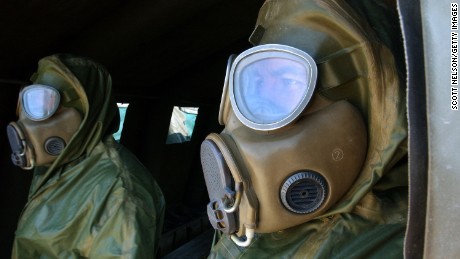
(89, 196)
(311, 162)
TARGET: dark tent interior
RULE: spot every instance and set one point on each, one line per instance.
(160, 54)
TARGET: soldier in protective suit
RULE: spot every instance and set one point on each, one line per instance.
(89, 196)
(312, 160)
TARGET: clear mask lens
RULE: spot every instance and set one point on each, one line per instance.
(271, 85)
(270, 89)
(40, 101)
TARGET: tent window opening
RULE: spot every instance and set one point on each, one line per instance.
(182, 124)
(122, 107)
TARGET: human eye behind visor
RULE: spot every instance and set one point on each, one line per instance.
(271, 88)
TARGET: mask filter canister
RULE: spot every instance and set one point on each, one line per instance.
(17, 144)
(219, 184)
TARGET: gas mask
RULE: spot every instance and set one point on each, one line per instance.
(44, 126)
(286, 154)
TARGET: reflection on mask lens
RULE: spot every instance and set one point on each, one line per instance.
(270, 85)
(40, 102)
(270, 89)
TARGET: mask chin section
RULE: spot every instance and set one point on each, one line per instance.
(18, 147)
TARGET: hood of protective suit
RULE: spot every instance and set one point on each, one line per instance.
(91, 84)
(356, 64)
(353, 65)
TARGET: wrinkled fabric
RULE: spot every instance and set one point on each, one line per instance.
(103, 203)
(370, 220)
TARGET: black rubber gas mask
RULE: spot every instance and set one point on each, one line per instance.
(44, 127)
(286, 154)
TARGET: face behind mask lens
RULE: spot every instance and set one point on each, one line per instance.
(270, 89)
(39, 102)
(272, 85)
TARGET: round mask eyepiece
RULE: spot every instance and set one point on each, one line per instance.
(304, 192)
(54, 146)
(40, 102)
(270, 85)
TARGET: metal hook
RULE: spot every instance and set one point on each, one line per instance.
(237, 201)
(249, 236)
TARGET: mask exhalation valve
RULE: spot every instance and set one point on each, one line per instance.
(304, 192)
(54, 146)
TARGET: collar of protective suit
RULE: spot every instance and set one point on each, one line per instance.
(371, 218)
(92, 85)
